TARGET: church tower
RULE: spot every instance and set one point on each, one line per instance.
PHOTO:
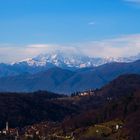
(7, 126)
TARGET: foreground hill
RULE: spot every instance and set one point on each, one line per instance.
(25, 108)
(124, 85)
(67, 81)
(88, 117)
(118, 118)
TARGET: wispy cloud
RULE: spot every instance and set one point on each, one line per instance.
(11, 52)
(126, 45)
(91, 23)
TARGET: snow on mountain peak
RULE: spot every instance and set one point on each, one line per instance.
(66, 59)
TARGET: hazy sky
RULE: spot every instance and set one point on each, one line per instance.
(95, 27)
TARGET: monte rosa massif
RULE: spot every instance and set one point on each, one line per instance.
(64, 73)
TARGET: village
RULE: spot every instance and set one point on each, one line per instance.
(50, 131)
(40, 131)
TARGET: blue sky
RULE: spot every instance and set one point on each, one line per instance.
(36, 25)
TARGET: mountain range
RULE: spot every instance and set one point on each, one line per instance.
(69, 60)
(65, 81)
(64, 60)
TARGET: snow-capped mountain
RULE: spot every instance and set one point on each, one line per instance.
(69, 60)
(60, 59)
(65, 81)
(58, 72)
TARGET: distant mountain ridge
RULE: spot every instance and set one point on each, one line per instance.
(73, 60)
(65, 81)
(64, 73)
(70, 61)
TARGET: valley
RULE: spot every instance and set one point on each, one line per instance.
(69, 69)
(100, 114)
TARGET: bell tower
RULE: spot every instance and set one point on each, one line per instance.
(7, 126)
